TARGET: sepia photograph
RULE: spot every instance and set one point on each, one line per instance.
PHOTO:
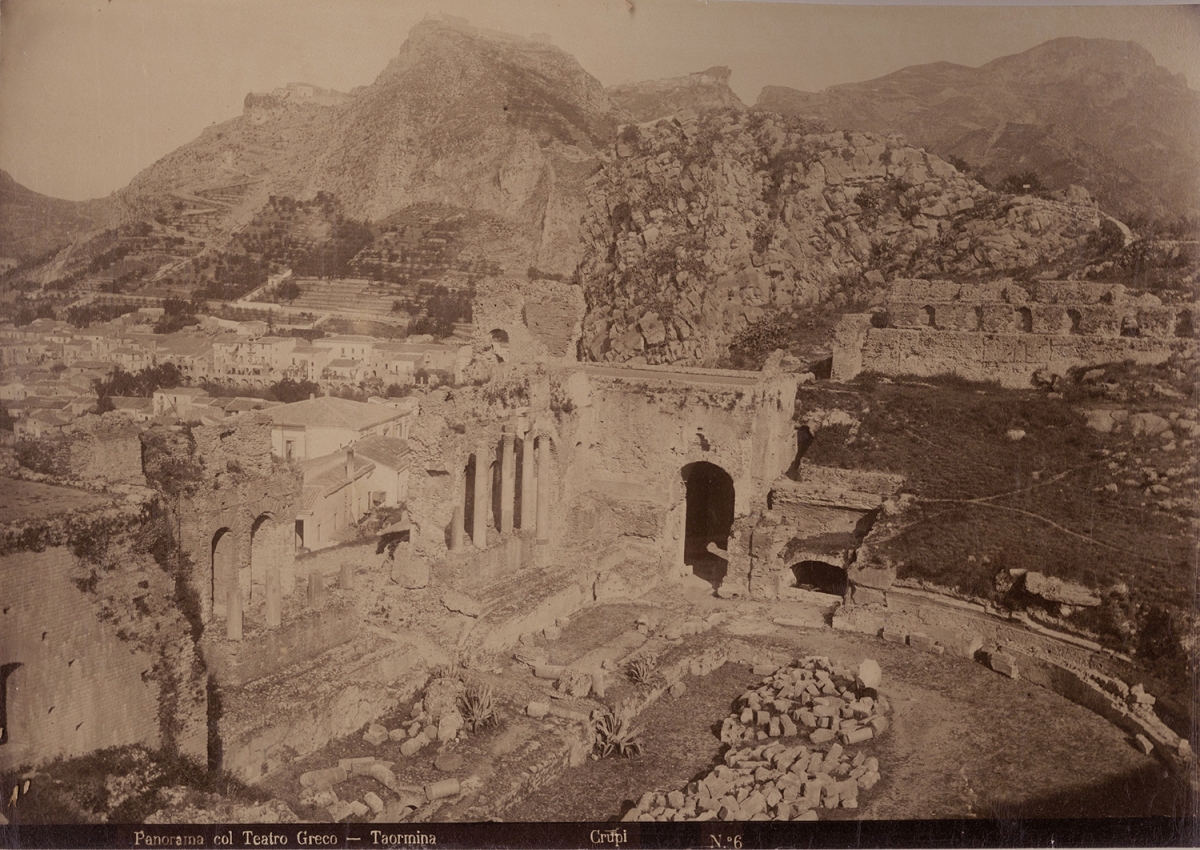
(598, 423)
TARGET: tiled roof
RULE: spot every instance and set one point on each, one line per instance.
(391, 452)
(331, 412)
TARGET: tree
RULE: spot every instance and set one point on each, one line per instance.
(289, 390)
(289, 291)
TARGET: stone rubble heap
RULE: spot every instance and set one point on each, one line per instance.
(763, 778)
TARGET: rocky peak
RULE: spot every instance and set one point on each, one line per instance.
(698, 92)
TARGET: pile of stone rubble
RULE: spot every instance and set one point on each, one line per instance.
(767, 777)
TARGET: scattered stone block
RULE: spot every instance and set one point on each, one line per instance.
(413, 745)
(1143, 743)
(398, 734)
(460, 603)
(537, 709)
(678, 689)
(857, 736)
(375, 735)
(383, 775)
(893, 635)
(820, 736)
(373, 802)
(552, 633)
(1005, 664)
(548, 671)
(358, 808)
(764, 669)
(326, 776)
(448, 762)
(869, 674)
(920, 641)
(440, 790)
(879, 724)
(787, 725)
(340, 810)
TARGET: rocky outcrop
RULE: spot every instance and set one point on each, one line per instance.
(698, 92)
(710, 224)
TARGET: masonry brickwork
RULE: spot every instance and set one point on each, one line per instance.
(1007, 332)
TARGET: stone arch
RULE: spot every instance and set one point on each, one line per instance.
(1074, 322)
(499, 336)
(708, 518)
(820, 576)
(1024, 319)
(264, 544)
(222, 569)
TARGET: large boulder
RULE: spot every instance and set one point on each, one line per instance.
(1056, 590)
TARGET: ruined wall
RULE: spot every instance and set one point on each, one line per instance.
(237, 510)
(542, 319)
(1006, 332)
(94, 636)
(79, 686)
(94, 451)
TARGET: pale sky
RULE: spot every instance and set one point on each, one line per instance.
(93, 92)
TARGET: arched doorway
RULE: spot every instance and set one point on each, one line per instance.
(221, 570)
(708, 519)
(254, 574)
(820, 576)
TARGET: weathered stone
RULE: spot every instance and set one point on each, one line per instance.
(1002, 663)
(894, 635)
(413, 745)
(920, 641)
(537, 709)
(373, 802)
(678, 689)
(384, 776)
(448, 762)
(442, 789)
(375, 734)
(1056, 590)
(1147, 424)
(460, 603)
(820, 736)
(1143, 743)
(340, 810)
(869, 674)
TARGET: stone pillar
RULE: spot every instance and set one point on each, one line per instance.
(528, 488)
(483, 471)
(274, 598)
(233, 614)
(346, 577)
(508, 492)
(458, 521)
(543, 488)
(316, 589)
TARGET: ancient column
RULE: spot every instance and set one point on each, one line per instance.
(508, 492)
(483, 471)
(457, 522)
(233, 614)
(543, 488)
(346, 577)
(274, 598)
(528, 490)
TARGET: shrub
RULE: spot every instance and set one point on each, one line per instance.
(643, 671)
(615, 734)
(479, 707)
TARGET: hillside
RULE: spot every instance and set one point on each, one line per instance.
(462, 118)
(32, 224)
(1094, 112)
(705, 232)
(698, 92)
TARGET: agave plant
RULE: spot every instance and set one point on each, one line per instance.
(479, 707)
(643, 671)
(615, 734)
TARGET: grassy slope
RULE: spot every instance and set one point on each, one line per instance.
(985, 502)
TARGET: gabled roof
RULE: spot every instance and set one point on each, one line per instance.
(391, 452)
(331, 412)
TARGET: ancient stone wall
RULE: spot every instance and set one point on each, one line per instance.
(527, 320)
(1006, 332)
(78, 684)
(236, 514)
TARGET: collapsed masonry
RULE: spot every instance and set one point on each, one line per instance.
(1007, 332)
